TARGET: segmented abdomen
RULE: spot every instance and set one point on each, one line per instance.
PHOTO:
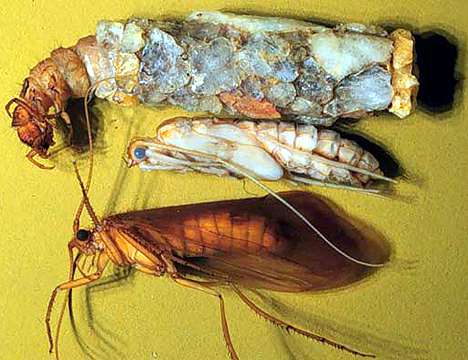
(319, 154)
(215, 233)
(307, 138)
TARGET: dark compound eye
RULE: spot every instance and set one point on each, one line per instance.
(139, 153)
(83, 235)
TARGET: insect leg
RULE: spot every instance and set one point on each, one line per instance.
(30, 156)
(23, 103)
(72, 284)
(206, 289)
(8, 106)
(288, 327)
(333, 185)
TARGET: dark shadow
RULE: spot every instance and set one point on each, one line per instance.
(389, 164)
(436, 60)
(356, 335)
(72, 141)
(76, 136)
(107, 350)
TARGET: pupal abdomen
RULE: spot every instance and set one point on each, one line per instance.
(268, 150)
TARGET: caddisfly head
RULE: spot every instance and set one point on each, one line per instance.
(40, 140)
(136, 153)
(85, 241)
(32, 130)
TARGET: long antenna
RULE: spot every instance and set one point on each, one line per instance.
(245, 173)
(76, 222)
(87, 203)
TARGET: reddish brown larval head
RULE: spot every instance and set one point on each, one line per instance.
(43, 98)
(38, 139)
(32, 130)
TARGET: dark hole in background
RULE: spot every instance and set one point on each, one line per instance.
(436, 59)
(79, 135)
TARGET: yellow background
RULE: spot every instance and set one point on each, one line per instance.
(149, 318)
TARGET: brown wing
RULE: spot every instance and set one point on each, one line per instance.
(259, 243)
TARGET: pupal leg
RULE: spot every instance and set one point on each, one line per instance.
(205, 287)
(72, 284)
(288, 327)
(159, 160)
(30, 156)
(309, 181)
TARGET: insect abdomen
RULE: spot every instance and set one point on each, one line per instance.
(212, 233)
(270, 150)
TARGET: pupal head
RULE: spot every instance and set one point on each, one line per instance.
(136, 153)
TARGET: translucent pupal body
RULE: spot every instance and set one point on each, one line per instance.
(267, 150)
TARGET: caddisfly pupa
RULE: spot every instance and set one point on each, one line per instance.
(266, 150)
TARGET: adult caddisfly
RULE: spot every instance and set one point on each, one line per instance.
(255, 243)
(243, 66)
(264, 149)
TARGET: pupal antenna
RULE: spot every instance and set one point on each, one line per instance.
(300, 216)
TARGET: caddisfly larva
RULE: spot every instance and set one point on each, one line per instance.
(243, 66)
(266, 150)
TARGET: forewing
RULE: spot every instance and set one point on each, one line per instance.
(261, 244)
